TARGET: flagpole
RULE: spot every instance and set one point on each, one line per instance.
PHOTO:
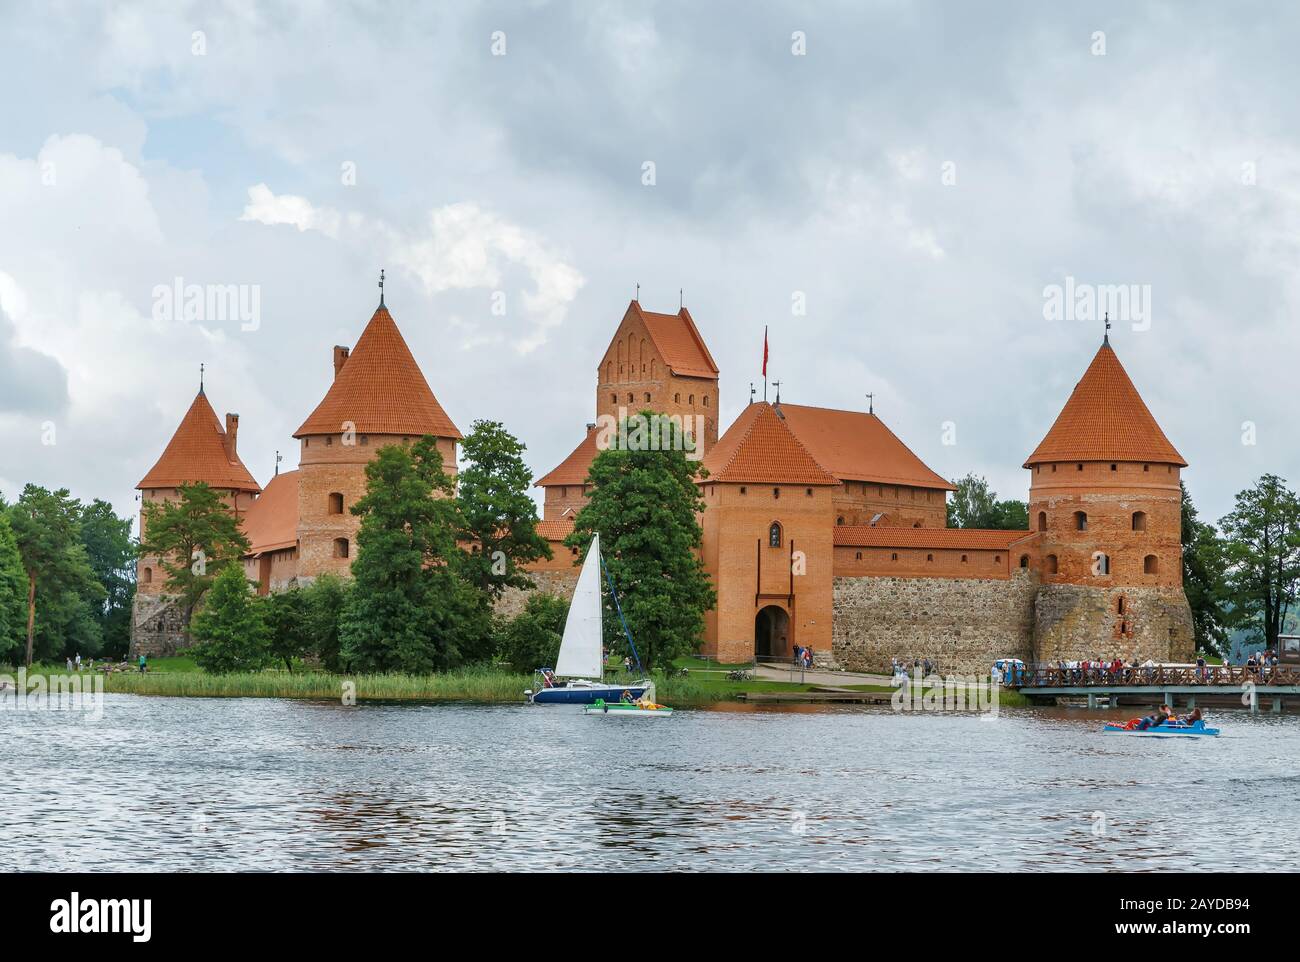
(764, 363)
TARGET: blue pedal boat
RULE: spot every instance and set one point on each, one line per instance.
(1166, 730)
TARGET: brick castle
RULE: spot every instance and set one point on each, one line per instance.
(821, 527)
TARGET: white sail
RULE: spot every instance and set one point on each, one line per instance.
(580, 650)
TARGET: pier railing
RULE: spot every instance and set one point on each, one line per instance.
(1053, 676)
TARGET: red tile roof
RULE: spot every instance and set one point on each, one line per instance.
(865, 536)
(573, 469)
(678, 342)
(555, 530)
(855, 446)
(381, 390)
(272, 522)
(1105, 419)
(197, 452)
(760, 448)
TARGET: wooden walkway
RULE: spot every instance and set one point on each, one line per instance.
(1250, 686)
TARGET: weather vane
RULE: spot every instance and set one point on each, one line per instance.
(1106, 337)
(381, 287)
(200, 377)
(871, 404)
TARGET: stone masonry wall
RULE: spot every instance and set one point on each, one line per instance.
(1082, 622)
(157, 626)
(558, 583)
(961, 625)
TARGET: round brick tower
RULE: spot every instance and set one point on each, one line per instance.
(200, 450)
(1105, 502)
(378, 397)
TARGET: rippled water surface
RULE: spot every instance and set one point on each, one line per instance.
(229, 784)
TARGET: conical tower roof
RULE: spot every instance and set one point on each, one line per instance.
(1105, 419)
(197, 452)
(380, 390)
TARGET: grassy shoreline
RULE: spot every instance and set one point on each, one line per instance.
(485, 686)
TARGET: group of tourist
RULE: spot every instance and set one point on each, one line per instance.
(923, 665)
(803, 656)
(74, 664)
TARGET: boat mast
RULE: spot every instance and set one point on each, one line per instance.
(619, 608)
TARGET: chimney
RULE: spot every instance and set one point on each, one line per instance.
(340, 358)
(232, 436)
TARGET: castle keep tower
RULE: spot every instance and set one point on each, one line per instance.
(1105, 505)
(378, 397)
(200, 450)
(656, 362)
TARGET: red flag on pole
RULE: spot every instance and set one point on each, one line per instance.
(764, 351)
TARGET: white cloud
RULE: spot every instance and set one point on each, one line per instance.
(464, 247)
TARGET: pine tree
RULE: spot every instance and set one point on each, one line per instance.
(1263, 553)
(62, 592)
(645, 504)
(231, 630)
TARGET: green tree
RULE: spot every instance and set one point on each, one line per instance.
(1263, 555)
(13, 593)
(497, 514)
(289, 624)
(1204, 580)
(111, 553)
(61, 586)
(410, 608)
(974, 505)
(231, 629)
(327, 599)
(531, 639)
(644, 504)
(195, 537)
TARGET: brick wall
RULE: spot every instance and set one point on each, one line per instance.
(328, 466)
(857, 502)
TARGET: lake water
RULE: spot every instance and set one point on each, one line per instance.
(227, 784)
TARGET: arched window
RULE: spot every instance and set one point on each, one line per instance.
(858, 556)
(774, 535)
(706, 400)
(148, 575)
(647, 397)
(1101, 563)
(335, 503)
(893, 556)
(1080, 521)
(1049, 564)
(929, 557)
(1024, 561)
(629, 397)
(963, 558)
(839, 520)
(1119, 606)
(340, 547)
(997, 559)
(1151, 565)
(677, 399)
(1139, 520)
(613, 399)
(1042, 521)
(776, 492)
(690, 399)
(917, 525)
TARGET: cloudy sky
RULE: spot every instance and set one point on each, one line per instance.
(916, 175)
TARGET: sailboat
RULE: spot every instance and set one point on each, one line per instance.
(579, 675)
